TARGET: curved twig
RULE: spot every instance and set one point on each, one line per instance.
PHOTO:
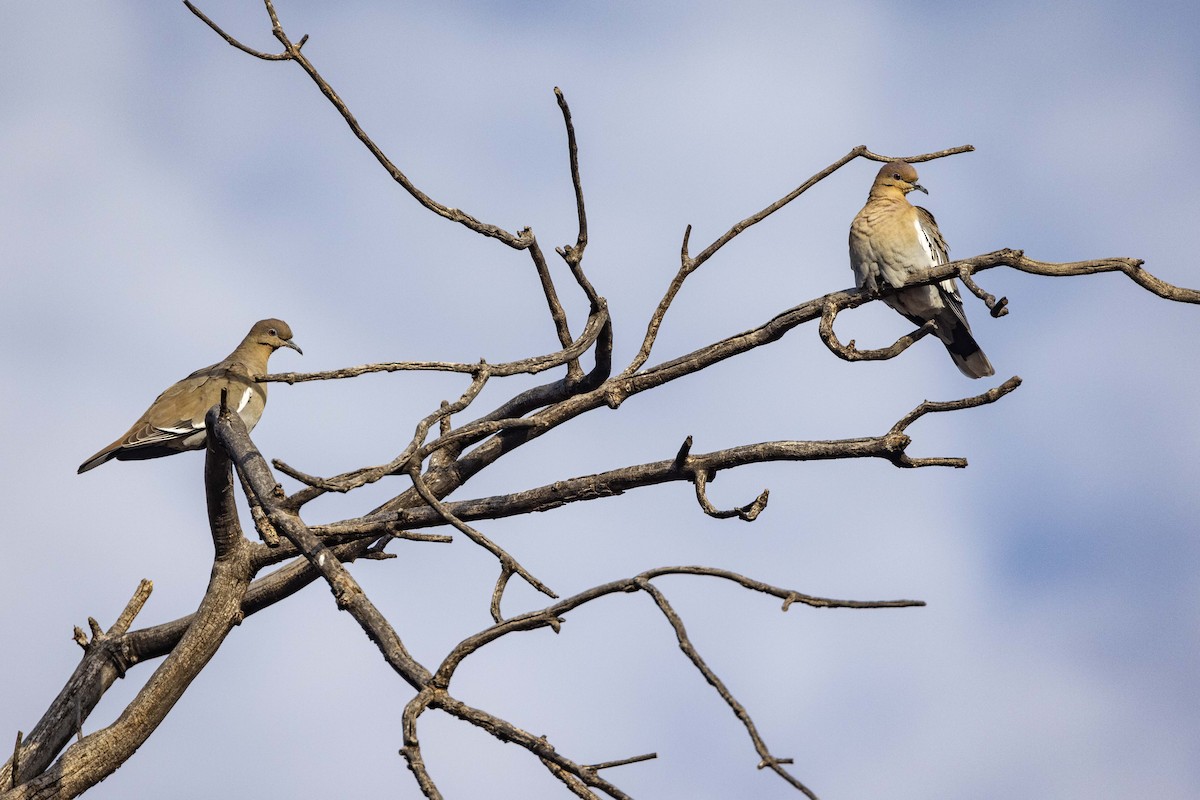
(746, 513)
(849, 352)
(506, 572)
(412, 745)
(997, 308)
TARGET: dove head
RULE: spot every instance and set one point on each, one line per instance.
(272, 333)
(897, 176)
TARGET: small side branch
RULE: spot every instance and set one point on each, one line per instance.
(931, 407)
(284, 56)
(134, 607)
(507, 562)
(557, 314)
(573, 254)
(685, 644)
(231, 433)
(997, 308)
(525, 366)
(621, 762)
(746, 513)
(412, 745)
(291, 52)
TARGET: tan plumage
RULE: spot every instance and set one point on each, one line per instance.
(890, 241)
(174, 422)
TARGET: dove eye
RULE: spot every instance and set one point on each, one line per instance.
(272, 332)
(896, 176)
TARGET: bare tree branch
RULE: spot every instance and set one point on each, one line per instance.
(457, 453)
(291, 52)
(230, 432)
(284, 56)
(507, 562)
(573, 255)
(528, 366)
(685, 644)
(849, 352)
(99, 754)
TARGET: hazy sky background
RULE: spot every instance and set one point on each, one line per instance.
(160, 192)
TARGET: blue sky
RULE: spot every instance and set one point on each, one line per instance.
(160, 192)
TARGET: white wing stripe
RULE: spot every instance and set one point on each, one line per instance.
(923, 239)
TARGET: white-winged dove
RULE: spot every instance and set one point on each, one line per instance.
(175, 421)
(890, 241)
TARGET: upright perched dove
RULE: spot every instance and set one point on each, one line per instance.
(890, 241)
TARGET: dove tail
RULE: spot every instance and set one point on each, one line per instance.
(965, 351)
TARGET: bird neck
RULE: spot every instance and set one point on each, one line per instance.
(891, 193)
(252, 355)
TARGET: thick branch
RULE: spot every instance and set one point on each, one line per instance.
(97, 755)
(232, 435)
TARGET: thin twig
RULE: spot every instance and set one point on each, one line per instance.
(506, 572)
(620, 762)
(549, 616)
(412, 745)
(738, 709)
(849, 352)
(292, 52)
(506, 560)
(573, 255)
(746, 513)
(525, 366)
(284, 56)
